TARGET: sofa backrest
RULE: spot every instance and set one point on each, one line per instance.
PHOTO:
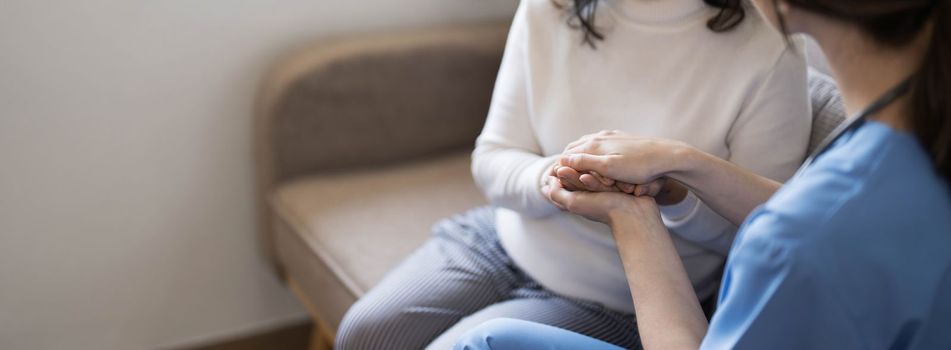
(367, 101)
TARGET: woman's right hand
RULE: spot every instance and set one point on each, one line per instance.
(573, 180)
(624, 157)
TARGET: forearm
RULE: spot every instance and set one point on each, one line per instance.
(668, 313)
(731, 191)
(511, 178)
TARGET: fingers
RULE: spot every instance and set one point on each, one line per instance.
(570, 179)
(626, 187)
(603, 180)
(561, 197)
(655, 187)
(593, 185)
(587, 163)
(552, 168)
(555, 192)
(590, 182)
(651, 189)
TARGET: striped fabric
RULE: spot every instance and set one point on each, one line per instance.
(462, 277)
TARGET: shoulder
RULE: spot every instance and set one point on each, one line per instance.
(895, 184)
(756, 46)
(874, 181)
(759, 63)
(869, 211)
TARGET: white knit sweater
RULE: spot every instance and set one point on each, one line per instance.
(740, 95)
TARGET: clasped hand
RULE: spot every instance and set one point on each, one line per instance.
(612, 174)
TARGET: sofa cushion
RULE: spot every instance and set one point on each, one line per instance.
(354, 227)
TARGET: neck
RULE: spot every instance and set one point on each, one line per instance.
(865, 71)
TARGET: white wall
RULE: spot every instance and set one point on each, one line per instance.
(126, 206)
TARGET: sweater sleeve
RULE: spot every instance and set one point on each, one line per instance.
(508, 163)
(769, 138)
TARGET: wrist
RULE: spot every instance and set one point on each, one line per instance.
(634, 221)
(686, 160)
(619, 216)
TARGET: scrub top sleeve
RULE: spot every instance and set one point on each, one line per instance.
(772, 296)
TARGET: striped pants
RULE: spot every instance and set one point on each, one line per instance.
(459, 279)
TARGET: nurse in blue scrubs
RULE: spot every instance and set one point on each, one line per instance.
(853, 252)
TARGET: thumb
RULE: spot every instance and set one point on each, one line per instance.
(587, 163)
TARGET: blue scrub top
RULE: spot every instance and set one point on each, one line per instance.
(855, 252)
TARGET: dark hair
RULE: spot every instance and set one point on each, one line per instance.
(897, 23)
(582, 14)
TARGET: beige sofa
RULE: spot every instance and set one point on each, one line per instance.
(363, 143)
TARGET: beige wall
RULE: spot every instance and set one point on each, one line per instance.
(126, 214)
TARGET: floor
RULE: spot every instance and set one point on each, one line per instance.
(296, 337)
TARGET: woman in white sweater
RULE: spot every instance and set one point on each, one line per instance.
(715, 77)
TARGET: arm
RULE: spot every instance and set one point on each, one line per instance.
(769, 280)
(772, 286)
(682, 212)
(668, 313)
(726, 188)
(730, 190)
(768, 138)
(507, 163)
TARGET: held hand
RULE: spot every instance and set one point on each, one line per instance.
(572, 180)
(665, 191)
(605, 207)
(585, 172)
(597, 206)
(623, 157)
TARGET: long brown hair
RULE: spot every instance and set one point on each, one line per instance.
(582, 16)
(897, 23)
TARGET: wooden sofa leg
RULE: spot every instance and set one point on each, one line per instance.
(318, 339)
(321, 338)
